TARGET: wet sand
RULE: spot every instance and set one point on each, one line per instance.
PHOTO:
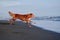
(20, 31)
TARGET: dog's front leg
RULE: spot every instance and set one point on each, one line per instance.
(28, 23)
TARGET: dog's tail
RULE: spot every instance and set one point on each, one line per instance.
(11, 14)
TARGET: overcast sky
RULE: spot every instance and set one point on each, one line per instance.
(38, 7)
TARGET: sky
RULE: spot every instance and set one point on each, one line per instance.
(38, 7)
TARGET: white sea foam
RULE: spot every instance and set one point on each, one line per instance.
(48, 25)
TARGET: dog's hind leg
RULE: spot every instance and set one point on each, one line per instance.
(11, 21)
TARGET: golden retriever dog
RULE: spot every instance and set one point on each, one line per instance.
(23, 17)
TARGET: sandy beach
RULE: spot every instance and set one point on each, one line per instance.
(20, 31)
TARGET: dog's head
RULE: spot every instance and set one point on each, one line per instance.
(31, 15)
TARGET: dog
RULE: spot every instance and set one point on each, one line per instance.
(24, 17)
